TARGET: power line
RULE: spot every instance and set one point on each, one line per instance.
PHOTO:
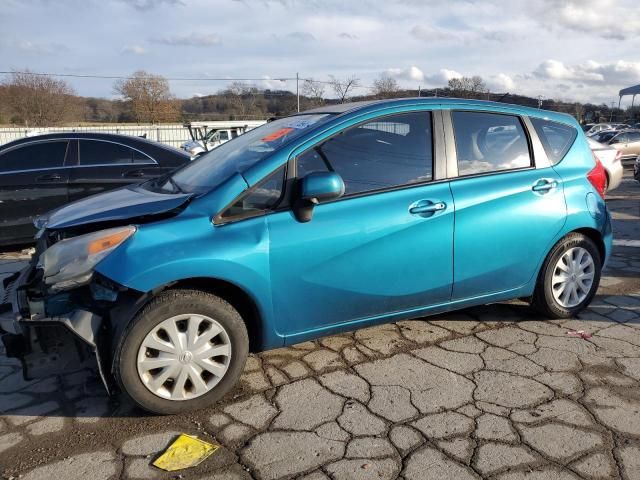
(186, 79)
(125, 77)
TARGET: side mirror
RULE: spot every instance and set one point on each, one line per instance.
(315, 188)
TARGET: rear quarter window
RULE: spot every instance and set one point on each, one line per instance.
(556, 137)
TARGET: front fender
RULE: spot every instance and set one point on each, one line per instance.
(186, 248)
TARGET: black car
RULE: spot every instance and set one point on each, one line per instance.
(41, 173)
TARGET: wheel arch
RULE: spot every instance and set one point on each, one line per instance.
(596, 237)
(237, 297)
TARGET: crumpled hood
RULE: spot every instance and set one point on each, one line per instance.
(116, 205)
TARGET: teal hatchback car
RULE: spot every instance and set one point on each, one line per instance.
(329, 220)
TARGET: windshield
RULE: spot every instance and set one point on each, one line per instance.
(238, 154)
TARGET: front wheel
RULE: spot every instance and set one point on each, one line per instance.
(569, 278)
(182, 352)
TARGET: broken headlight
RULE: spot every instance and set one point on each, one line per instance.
(70, 262)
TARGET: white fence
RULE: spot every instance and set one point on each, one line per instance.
(171, 134)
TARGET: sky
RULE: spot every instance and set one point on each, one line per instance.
(572, 50)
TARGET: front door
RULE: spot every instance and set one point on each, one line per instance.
(33, 181)
(507, 211)
(385, 247)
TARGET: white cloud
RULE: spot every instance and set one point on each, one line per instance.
(301, 36)
(501, 83)
(134, 49)
(441, 78)
(143, 5)
(590, 72)
(412, 73)
(431, 33)
(269, 83)
(612, 19)
(194, 39)
(42, 48)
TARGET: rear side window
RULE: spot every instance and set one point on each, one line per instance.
(385, 153)
(556, 138)
(34, 157)
(96, 152)
(489, 142)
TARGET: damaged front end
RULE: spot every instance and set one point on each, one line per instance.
(59, 290)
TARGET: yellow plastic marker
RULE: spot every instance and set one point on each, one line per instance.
(186, 451)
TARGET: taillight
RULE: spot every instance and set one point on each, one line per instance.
(598, 177)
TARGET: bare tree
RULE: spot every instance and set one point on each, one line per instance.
(314, 91)
(39, 100)
(385, 86)
(242, 99)
(149, 97)
(467, 87)
(342, 87)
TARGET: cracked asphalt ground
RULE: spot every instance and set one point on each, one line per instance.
(489, 392)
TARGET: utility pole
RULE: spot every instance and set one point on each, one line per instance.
(611, 116)
(539, 101)
(298, 90)
(419, 90)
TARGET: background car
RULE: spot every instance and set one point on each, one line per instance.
(601, 127)
(627, 142)
(611, 161)
(38, 174)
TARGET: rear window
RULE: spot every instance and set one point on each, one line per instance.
(556, 137)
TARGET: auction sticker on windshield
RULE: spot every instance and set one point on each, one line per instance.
(277, 134)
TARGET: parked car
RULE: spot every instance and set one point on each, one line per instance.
(600, 127)
(636, 169)
(627, 142)
(204, 138)
(587, 126)
(213, 139)
(314, 224)
(611, 161)
(43, 172)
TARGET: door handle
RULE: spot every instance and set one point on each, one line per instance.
(49, 178)
(544, 185)
(426, 208)
(135, 173)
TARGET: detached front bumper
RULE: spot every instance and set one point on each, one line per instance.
(25, 326)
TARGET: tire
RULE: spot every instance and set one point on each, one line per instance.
(182, 308)
(551, 305)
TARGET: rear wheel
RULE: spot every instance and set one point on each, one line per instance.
(182, 352)
(569, 278)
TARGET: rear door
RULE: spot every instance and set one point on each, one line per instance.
(104, 165)
(33, 181)
(507, 209)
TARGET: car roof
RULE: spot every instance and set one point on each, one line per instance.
(351, 107)
(114, 137)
